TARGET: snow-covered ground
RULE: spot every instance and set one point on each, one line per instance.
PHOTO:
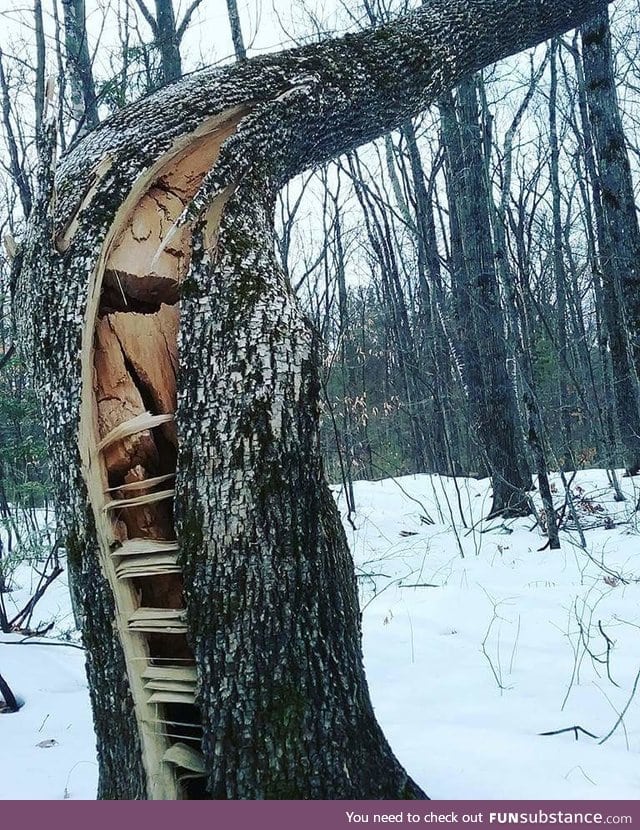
(476, 640)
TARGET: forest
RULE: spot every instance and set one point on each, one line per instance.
(455, 293)
(524, 175)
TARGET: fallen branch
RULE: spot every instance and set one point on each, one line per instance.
(574, 729)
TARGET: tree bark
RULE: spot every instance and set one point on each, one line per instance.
(257, 676)
(481, 322)
(167, 41)
(618, 232)
(236, 30)
(84, 106)
(559, 270)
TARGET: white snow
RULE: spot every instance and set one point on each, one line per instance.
(465, 669)
(47, 749)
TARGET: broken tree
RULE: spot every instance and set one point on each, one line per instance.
(217, 594)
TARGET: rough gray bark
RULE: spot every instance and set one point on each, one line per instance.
(167, 41)
(481, 325)
(559, 269)
(618, 233)
(236, 30)
(606, 415)
(272, 614)
(84, 106)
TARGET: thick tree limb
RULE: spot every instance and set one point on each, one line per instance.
(333, 96)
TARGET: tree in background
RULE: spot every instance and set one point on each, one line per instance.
(84, 106)
(617, 231)
(480, 323)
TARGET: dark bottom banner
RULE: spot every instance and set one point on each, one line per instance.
(315, 815)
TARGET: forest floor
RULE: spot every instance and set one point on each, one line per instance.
(476, 640)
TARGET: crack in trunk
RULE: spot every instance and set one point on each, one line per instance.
(129, 424)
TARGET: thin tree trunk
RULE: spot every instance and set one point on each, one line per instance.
(430, 288)
(618, 233)
(480, 318)
(236, 30)
(558, 264)
(84, 107)
(168, 41)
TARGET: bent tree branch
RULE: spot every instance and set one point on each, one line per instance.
(206, 554)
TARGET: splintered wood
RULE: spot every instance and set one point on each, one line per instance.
(135, 364)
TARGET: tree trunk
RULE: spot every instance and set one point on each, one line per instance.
(559, 269)
(168, 41)
(84, 107)
(480, 319)
(236, 30)
(618, 233)
(220, 611)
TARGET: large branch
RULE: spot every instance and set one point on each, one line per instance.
(329, 97)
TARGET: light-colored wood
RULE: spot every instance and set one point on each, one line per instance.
(153, 564)
(139, 501)
(170, 686)
(150, 344)
(184, 673)
(119, 402)
(142, 422)
(186, 757)
(160, 620)
(151, 240)
(138, 547)
(145, 613)
(125, 363)
(173, 697)
(142, 236)
(144, 484)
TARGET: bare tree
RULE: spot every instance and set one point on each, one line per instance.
(168, 33)
(236, 30)
(84, 107)
(618, 233)
(480, 321)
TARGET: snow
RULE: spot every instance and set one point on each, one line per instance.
(476, 639)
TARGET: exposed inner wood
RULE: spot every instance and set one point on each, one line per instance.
(132, 427)
(153, 564)
(129, 447)
(145, 484)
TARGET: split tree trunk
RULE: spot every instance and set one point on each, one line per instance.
(217, 591)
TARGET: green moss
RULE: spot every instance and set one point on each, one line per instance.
(594, 37)
(285, 717)
(191, 532)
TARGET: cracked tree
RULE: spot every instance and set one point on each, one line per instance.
(179, 385)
